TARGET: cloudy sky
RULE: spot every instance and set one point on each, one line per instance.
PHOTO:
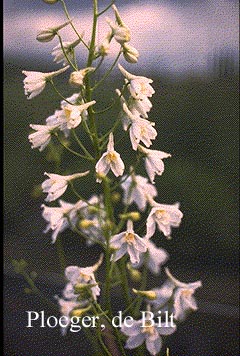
(175, 35)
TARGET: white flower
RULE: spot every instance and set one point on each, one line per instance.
(73, 99)
(153, 162)
(183, 299)
(60, 218)
(139, 87)
(165, 217)
(137, 189)
(79, 275)
(77, 77)
(123, 116)
(73, 114)
(121, 31)
(56, 185)
(66, 306)
(140, 129)
(58, 119)
(35, 82)
(48, 34)
(156, 258)
(142, 106)
(128, 242)
(110, 160)
(150, 334)
(136, 107)
(60, 56)
(130, 53)
(104, 47)
(41, 138)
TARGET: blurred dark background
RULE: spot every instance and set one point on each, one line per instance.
(195, 108)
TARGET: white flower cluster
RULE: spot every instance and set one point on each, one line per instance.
(96, 218)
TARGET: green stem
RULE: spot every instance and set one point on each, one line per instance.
(91, 57)
(72, 25)
(82, 146)
(142, 287)
(70, 150)
(65, 53)
(58, 92)
(125, 285)
(105, 76)
(108, 7)
(37, 291)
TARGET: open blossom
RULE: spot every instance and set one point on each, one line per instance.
(73, 114)
(60, 55)
(60, 218)
(56, 185)
(120, 30)
(156, 258)
(153, 161)
(110, 160)
(35, 82)
(120, 33)
(183, 299)
(65, 119)
(147, 331)
(138, 86)
(141, 130)
(41, 138)
(165, 217)
(141, 106)
(137, 189)
(137, 108)
(128, 242)
(84, 275)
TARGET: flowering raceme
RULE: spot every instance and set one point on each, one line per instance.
(80, 133)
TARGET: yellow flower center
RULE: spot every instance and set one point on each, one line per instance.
(148, 328)
(129, 238)
(143, 88)
(85, 277)
(186, 293)
(163, 216)
(142, 131)
(67, 112)
(111, 157)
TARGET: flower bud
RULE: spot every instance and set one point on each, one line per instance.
(104, 47)
(28, 290)
(149, 294)
(85, 224)
(80, 312)
(50, 1)
(48, 34)
(134, 273)
(76, 78)
(115, 197)
(133, 215)
(121, 33)
(93, 209)
(80, 287)
(108, 226)
(130, 53)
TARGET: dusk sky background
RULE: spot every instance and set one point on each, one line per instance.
(176, 36)
(190, 50)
